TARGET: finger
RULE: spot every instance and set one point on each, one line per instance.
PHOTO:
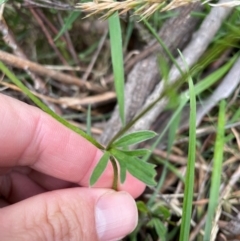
(132, 186)
(48, 182)
(3, 203)
(16, 187)
(30, 137)
(70, 214)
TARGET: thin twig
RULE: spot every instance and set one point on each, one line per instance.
(10, 40)
(43, 71)
(72, 102)
(50, 25)
(175, 33)
(69, 43)
(48, 36)
(94, 58)
(195, 49)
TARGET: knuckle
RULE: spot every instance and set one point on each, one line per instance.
(63, 224)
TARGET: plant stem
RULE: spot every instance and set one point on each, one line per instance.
(38, 102)
(115, 173)
(214, 53)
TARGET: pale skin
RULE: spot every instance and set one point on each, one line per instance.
(44, 176)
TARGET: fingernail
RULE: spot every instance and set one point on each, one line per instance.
(116, 216)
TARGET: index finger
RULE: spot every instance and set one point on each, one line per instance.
(29, 137)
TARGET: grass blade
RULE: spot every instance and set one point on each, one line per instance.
(189, 181)
(217, 171)
(69, 21)
(99, 169)
(199, 88)
(117, 61)
(155, 34)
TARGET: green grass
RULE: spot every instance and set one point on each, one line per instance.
(117, 61)
(73, 16)
(189, 180)
(217, 171)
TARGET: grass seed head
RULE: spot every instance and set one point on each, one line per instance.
(144, 8)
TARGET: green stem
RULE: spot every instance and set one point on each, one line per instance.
(214, 53)
(151, 29)
(115, 173)
(39, 103)
(143, 112)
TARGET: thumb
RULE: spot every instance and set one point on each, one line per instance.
(70, 214)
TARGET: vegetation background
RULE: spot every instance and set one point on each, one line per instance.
(184, 60)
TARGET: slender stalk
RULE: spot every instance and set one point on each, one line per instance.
(38, 102)
(214, 53)
(115, 172)
(151, 29)
(189, 182)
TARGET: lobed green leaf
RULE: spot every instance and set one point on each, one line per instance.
(143, 171)
(159, 227)
(161, 211)
(134, 138)
(142, 207)
(99, 169)
(138, 152)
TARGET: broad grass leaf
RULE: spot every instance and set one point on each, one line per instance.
(117, 61)
(190, 172)
(216, 173)
(143, 171)
(138, 152)
(134, 138)
(99, 169)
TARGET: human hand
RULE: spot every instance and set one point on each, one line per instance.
(44, 174)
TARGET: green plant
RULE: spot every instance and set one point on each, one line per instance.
(128, 161)
(156, 214)
(188, 191)
(116, 150)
